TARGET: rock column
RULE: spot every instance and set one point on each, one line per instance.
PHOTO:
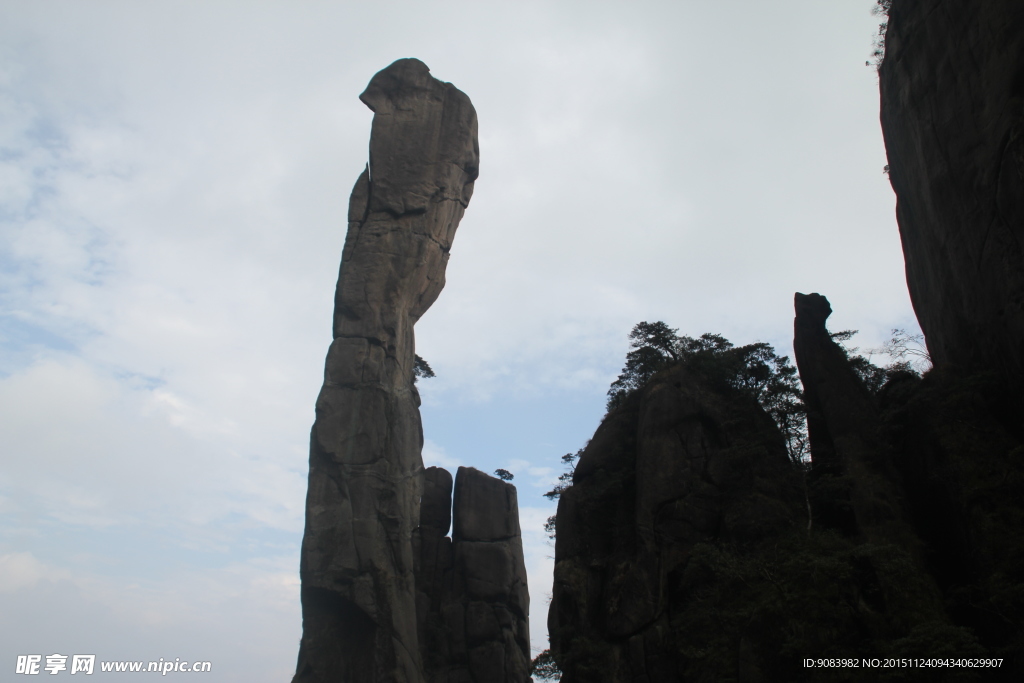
(365, 467)
(845, 430)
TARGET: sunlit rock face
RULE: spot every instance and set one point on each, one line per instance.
(365, 467)
(952, 95)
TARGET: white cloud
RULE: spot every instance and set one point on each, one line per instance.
(86, 448)
(435, 456)
(173, 190)
(184, 616)
(21, 570)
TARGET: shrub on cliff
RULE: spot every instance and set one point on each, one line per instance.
(421, 368)
(881, 9)
(755, 370)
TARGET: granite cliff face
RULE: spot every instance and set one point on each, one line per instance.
(952, 111)
(360, 587)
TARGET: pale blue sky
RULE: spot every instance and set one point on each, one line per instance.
(173, 187)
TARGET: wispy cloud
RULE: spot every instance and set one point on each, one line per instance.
(173, 190)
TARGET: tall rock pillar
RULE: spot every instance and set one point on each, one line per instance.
(365, 467)
(845, 430)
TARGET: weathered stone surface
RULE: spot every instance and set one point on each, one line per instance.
(952, 112)
(915, 466)
(473, 586)
(366, 473)
(485, 508)
(673, 469)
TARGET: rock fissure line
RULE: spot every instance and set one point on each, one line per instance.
(384, 595)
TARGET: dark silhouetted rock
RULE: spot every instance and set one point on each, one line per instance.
(673, 473)
(686, 551)
(681, 553)
(952, 111)
(365, 469)
(845, 431)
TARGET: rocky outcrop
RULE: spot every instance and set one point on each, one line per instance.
(681, 553)
(678, 473)
(365, 469)
(855, 484)
(952, 112)
(931, 480)
(689, 547)
(471, 588)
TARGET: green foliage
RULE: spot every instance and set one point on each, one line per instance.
(981, 473)
(565, 478)
(658, 336)
(545, 667)
(421, 368)
(550, 524)
(654, 347)
(870, 375)
(504, 475)
(754, 370)
(564, 482)
(881, 9)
